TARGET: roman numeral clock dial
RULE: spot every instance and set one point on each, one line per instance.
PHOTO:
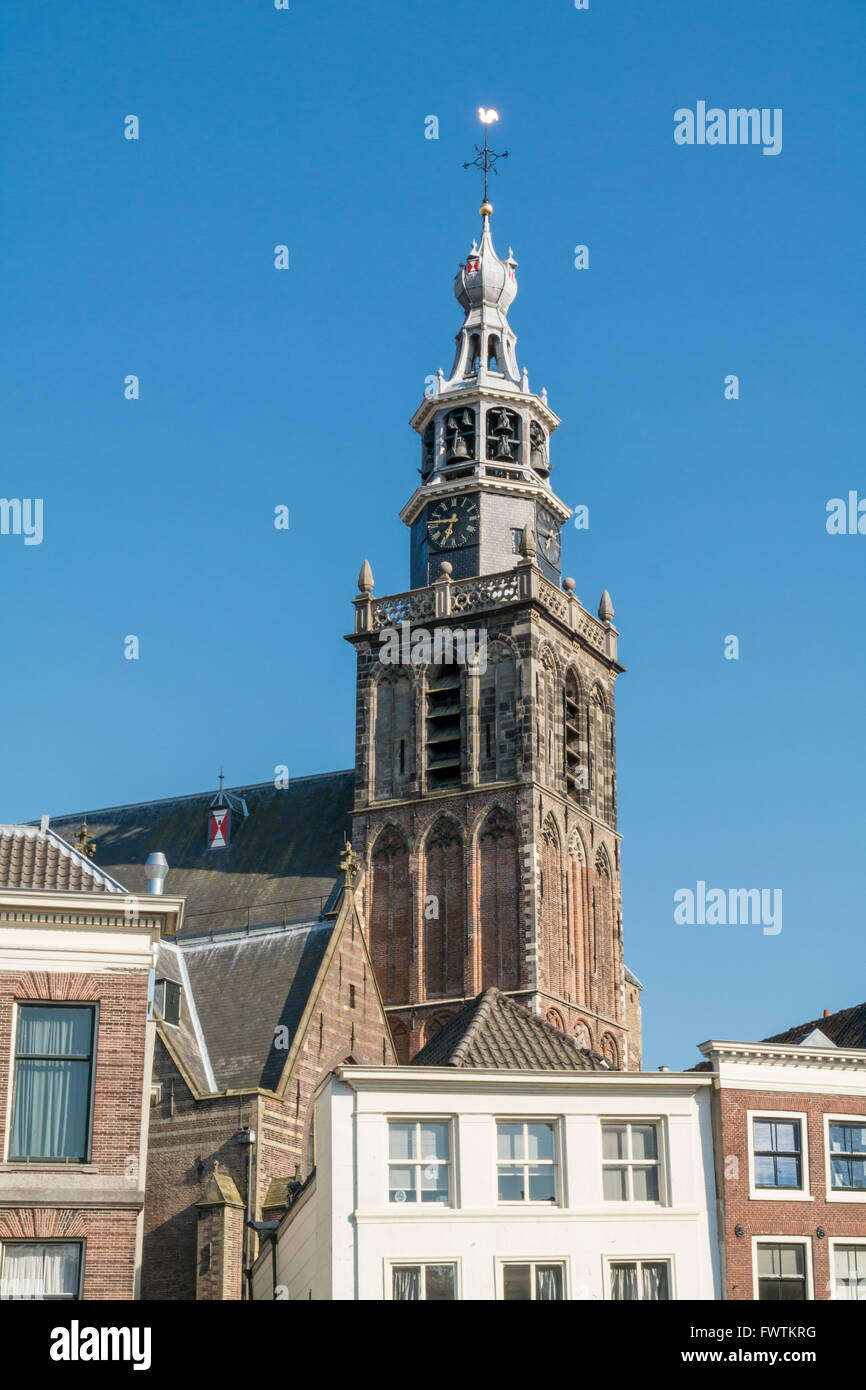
(453, 522)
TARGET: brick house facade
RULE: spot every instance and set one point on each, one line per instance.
(75, 1057)
(789, 1121)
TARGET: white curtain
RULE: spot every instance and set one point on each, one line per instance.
(407, 1283)
(655, 1282)
(623, 1280)
(548, 1282)
(34, 1271)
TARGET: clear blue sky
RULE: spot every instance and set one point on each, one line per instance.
(258, 387)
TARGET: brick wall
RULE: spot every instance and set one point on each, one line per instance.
(109, 1233)
(347, 1021)
(767, 1217)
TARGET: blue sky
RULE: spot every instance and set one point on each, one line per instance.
(259, 387)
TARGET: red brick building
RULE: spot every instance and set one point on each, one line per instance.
(790, 1137)
(75, 1057)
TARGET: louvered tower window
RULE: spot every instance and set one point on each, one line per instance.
(444, 738)
(574, 775)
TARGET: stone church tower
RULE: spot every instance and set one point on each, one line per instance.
(485, 787)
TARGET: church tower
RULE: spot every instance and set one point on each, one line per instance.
(485, 785)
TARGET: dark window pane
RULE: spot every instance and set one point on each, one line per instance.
(516, 1283)
(441, 1283)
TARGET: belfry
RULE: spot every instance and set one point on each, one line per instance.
(485, 791)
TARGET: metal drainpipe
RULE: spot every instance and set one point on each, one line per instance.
(247, 1136)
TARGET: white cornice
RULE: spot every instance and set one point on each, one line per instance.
(503, 487)
(463, 395)
(762, 1053)
(493, 1079)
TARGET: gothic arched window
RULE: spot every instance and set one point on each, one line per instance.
(459, 435)
(603, 947)
(547, 732)
(582, 1035)
(444, 910)
(609, 1049)
(390, 915)
(601, 770)
(576, 887)
(497, 716)
(499, 915)
(392, 750)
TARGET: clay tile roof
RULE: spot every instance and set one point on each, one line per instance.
(847, 1028)
(40, 859)
(495, 1031)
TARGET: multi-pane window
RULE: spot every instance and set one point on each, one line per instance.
(525, 1282)
(847, 1157)
(782, 1272)
(31, 1269)
(778, 1153)
(526, 1161)
(53, 1059)
(435, 1283)
(849, 1272)
(419, 1167)
(631, 1162)
(640, 1279)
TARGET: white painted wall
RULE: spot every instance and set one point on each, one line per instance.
(358, 1232)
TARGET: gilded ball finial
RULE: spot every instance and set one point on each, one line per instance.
(486, 208)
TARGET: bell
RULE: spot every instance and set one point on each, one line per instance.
(503, 448)
(458, 448)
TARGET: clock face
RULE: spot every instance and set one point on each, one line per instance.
(453, 521)
(547, 536)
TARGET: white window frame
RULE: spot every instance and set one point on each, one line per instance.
(82, 1247)
(502, 1260)
(832, 1243)
(419, 1208)
(839, 1194)
(608, 1260)
(766, 1239)
(631, 1203)
(780, 1194)
(557, 1165)
(393, 1262)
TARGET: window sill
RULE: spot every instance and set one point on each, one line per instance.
(47, 1165)
(780, 1195)
(846, 1195)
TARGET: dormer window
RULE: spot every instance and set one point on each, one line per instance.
(167, 999)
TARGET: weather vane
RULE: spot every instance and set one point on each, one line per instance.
(486, 158)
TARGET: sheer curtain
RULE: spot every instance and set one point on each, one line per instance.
(624, 1281)
(548, 1282)
(51, 1092)
(407, 1283)
(32, 1270)
(655, 1282)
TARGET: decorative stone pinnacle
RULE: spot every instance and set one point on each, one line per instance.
(349, 863)
(84, 842)
(446, 569)
(605, 608)
(365, 578)
(568, 585)
(527, 544)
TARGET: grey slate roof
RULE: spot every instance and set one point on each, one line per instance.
(237, 989)
(495, 1031)
(281, 862)
(40, 859)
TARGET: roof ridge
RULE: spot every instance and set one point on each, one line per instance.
(483, 1005)
(193, 796)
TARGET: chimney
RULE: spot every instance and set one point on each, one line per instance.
(664, 1068)
(43, 824)
(156, 868)
(826, 1013)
